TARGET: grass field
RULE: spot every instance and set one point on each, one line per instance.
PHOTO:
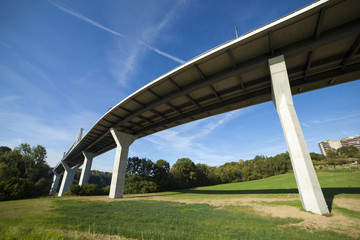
(263, 209)
(343, 183)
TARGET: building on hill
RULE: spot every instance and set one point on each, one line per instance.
(325, 146)
(351, 141)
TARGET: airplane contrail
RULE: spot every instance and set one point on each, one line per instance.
(98, 25)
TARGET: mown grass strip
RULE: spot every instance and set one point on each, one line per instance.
(171, 220)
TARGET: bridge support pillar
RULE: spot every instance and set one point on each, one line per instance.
(68, 178)
(85, 173)
(310, 192)
(123, 142)
(55, 184)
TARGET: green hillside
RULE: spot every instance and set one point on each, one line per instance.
(339, 182)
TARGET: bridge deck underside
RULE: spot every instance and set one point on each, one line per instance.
(321, 48)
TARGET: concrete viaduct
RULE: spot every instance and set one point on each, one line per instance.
(312, 48)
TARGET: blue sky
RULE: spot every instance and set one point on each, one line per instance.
(63, 64)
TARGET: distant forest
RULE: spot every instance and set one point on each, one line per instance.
(24, 172)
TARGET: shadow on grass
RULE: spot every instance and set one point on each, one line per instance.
(329, 193)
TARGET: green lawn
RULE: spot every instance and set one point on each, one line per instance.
(52, 218)
(334, 183)
(171, 220)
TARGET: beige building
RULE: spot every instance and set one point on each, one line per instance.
(351, 141)
(325, 146)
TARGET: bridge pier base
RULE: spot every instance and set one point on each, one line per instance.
(85, 173)
(310, 192)
(55, 184)
(123, 142)
(68, 178)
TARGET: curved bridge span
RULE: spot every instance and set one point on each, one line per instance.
(315, 47)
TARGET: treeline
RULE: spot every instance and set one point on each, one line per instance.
(101, 179)
(144, 176)
(24, 172)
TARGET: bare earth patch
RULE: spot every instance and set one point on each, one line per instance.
(349, 203)
(336, 222)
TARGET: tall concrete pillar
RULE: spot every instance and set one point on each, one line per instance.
(68, 178)
(123, 142)
(85, 173)
(55, 183)
(310, 192)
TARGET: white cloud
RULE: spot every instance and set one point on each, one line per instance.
(306, 125)
(353, 115)
(188, 140)
(121, 68)
(125, 58)
(221, 120)
(100, 26)
(86, 19)
(176, 59)
(86, 77)
(56, 137)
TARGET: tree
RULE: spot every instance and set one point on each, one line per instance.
(317, 157)
(162, 175)
(140, 166)
(331, 154)
(75, 189)
(4, 149)
(202, 172)
(24, 173)
(229, 172)
(245, 171)
(162, 166)
(184, 170)
(88, 190)
(349, 151)
(102, 179)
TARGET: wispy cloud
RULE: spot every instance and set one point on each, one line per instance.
(120, 67)
(100, 26)
(32, 89)
(352, 115)
(209, 128)
(9, 99)
(306, 125)
(86, 19)
(176, 59)
(56, 137)
(188, 142)
(153, 31)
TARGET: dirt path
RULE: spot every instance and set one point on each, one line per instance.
(337, 222)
